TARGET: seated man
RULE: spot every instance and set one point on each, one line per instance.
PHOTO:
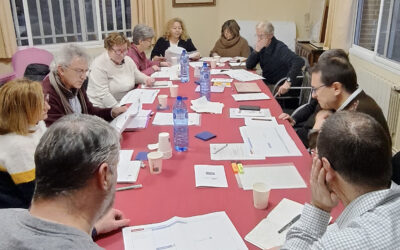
(76, 173)
(276, 59)
(353, 168)
(63, 84)
(334, 85)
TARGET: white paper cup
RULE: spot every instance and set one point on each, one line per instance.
(163, 101)
(174, 90)
(196, 72)
(164, 145)
(260, 195)
(155, 162)
(174, 60)
(213, 63)
(217, 58)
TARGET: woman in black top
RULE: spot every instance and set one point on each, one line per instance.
(175, 35)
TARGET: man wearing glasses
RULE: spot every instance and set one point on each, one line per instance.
(68, 71)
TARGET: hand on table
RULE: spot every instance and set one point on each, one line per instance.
(149, 81)
(155, 68)
(159, 58)
(116, 111)
(111, 221)
(322, 196)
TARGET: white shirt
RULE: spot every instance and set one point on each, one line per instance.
(109, 82)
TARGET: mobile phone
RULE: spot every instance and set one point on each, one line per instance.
(249, 107)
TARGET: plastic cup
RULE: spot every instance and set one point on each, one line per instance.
(155, 162)
(163, 101)
(261, 195)
(174, 90)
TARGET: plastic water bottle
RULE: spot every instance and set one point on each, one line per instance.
(184, 61)
(205, 81)
(181, 130)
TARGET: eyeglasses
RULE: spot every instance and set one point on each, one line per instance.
(120, 52)
(79, 71)
(314, 90)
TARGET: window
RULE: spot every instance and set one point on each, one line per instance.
(378, 26)
(44, 22)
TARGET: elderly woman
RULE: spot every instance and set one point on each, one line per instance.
(22, 111)
(141, 41)
(113, 73)
(231, 44)
(175, 35)
(67, 73)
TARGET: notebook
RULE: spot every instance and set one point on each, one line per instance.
(247, 87)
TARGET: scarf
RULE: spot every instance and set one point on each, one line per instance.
(66, 94)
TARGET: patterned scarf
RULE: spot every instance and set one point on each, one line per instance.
(66, 94)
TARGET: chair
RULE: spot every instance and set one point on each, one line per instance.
(22, 58)
(396, 168)
(304, 95)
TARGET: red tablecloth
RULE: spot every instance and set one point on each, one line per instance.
(173, 192)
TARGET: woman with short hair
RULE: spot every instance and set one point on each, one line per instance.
(22, 111)
(142, 35)
(175, 35)
(113, 74)
(231, 44)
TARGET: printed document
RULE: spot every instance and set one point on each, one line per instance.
(232, 151)
(213, 231)
(139, 121)
(265, 235)
(144, 95)
(202, 105)
(250, 97)
(159, 84)
(167, 119)
(237, 113)
(276, 176)
(243, 75)
(128, 170)
(210, 176)
(121, 122)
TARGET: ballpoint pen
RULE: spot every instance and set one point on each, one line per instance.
(130, 187)
(289, 224)
(261, 119)
(218, 150)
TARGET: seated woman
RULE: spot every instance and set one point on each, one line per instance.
(175, 35)
(141, 41)
(230, 44)
(22, 111)
(113, 74)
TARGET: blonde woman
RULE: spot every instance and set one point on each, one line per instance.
(113, 73)
(175, 35)
(22, 111)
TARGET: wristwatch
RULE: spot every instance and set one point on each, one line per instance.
(288, 80)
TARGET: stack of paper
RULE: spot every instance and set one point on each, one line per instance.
(146, 96)
(237, 113)
(139, 121)
(203, 232)
(121, 122)
(167, 119)
(279, 176)
(214, 89)
(159, 84)
(247, 87)
(232, 151)
(243, 75)
(202, 105)
(210, 176)
(128, 170)
(250, 97)
(196, 64)
(265, 235)
(167, 72)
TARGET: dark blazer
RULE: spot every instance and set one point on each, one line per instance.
(162, 45)
(57, 111)
(277, 61)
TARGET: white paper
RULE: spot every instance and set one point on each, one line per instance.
(261, 121)
(202, 105)
(213, 89)
(212, 231)
(250, 97)
(167, 72)
(221, 80)
(232, 151)
(139, 121)
(237, 113)
(265, 235)
(121, 122)
(196, 64)
(269, 141)
(210, 176)
(159, 84)
(243, 75)
(144, 95)
(128, 170)
(167, 119)
(282, 176)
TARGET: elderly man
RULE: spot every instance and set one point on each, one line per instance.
(334, 85)
(276, 59)
(76, 173)
(353, 168)
(68, 72)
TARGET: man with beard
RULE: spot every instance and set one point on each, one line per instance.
(76, 173)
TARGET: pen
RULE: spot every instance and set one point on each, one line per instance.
(251, 146)
(218, 150)
(289, 224)
(130, 187)
(261, 119)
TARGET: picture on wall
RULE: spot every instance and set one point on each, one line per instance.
(192, 3)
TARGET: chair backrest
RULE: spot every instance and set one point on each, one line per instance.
(22, 58)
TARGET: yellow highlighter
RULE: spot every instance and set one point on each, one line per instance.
(240, 167)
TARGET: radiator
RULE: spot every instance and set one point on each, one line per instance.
(386, 96)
